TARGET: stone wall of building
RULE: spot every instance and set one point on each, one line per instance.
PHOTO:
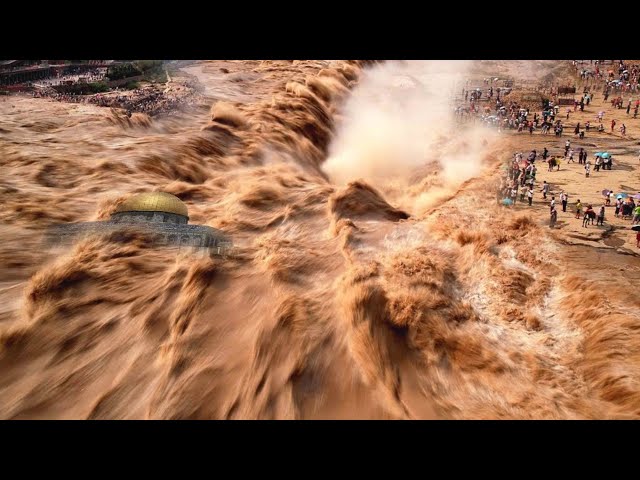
(161, 233)
(156, 217)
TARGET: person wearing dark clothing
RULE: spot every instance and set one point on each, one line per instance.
(545, 153)
(600, 220)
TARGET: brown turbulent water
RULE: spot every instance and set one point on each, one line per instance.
(371, 279)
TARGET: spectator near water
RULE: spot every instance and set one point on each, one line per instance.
(578, 208)
(636, 215)
(601, 216)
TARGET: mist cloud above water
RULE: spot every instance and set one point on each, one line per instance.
(399, 119)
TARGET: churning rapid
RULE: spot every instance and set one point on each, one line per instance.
(373, 276)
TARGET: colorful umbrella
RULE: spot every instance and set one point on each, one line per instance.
(606, 192)
(507, 201)
(637, 196)
(622, 195)
(606, 155)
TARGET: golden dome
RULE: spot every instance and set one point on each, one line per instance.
(154, 202)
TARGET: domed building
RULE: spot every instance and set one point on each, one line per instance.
(158, 207)
(163, 215)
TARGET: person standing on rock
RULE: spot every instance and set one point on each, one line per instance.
(564, 198)
(553, 217)
(530, 196)
(613, 125)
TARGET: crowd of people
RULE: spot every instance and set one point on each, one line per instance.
(519, 184)
(625, 80)
(514, 116)
(150, 100)
(96, 75)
